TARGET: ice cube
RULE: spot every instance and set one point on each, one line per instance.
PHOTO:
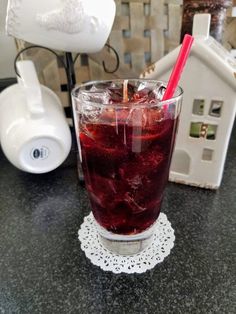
(142, 86)
(143, 117)
(104, 135)
(159, 91)
(115, 117)
(154, 115)
(135, 207)
(145, 164)
(116, 94)
(137, 117)
(91, 102)
(149, 92)
(151, 189)
(106, 192)
(94, 95)
(102, 153)
(155, 133)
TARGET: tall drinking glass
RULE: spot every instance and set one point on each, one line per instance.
(126, 137)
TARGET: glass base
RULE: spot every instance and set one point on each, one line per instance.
(126, 244)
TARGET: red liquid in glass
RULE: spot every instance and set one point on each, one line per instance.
(126, 167)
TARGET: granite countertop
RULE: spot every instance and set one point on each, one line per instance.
(43, 270)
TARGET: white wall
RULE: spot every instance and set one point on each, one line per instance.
(7, 46)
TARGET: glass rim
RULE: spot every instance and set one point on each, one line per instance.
(174, 99)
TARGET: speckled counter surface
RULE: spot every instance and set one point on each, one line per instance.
(43, 270)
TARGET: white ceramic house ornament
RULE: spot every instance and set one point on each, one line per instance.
(209, 107)
(67, 25)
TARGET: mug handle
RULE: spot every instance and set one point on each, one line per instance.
(29, 81)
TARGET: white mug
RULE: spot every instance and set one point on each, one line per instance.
(34, 133)
(68, 25)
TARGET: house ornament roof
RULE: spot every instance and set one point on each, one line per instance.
(206, 49)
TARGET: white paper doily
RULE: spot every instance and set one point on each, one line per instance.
(159, 248)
